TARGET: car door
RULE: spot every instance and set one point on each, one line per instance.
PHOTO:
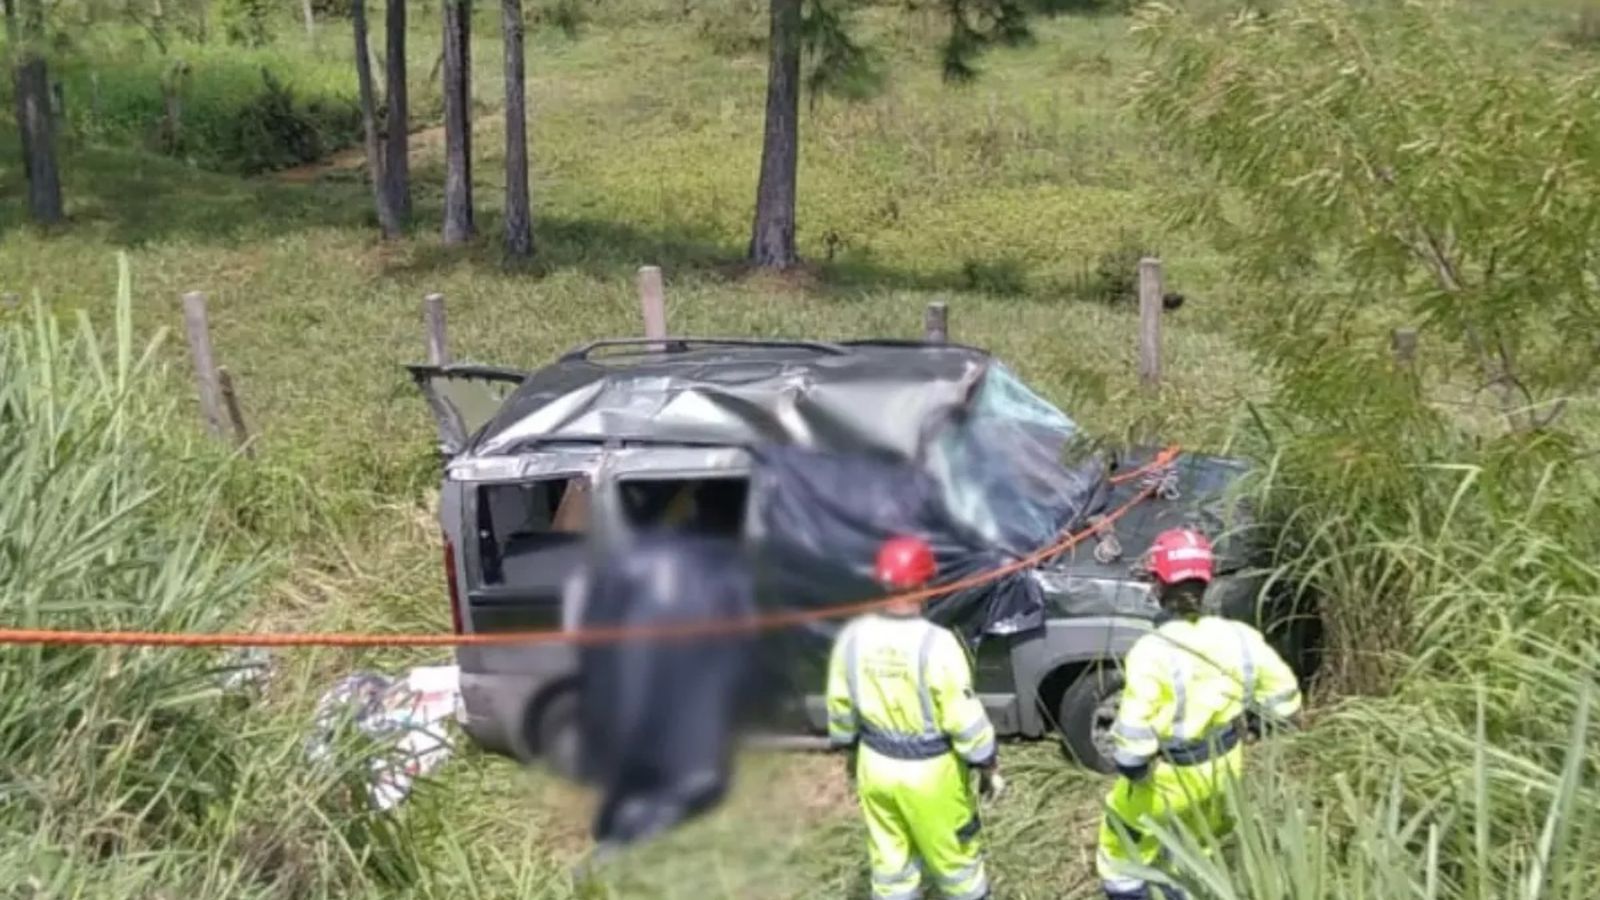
(463, 398)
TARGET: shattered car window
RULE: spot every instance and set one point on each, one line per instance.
(1000, 464)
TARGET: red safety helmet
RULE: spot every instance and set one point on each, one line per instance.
(905, 562)
(1181, 554)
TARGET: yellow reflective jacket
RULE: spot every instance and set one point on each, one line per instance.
(903, 687)
(1192, 678)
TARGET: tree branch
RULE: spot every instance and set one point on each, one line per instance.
(1436, 252)
(1496, 365)
(1557, 409)
(153, 29)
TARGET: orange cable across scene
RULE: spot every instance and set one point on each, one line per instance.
(602, 635)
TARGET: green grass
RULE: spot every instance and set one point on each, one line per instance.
(1001, 198)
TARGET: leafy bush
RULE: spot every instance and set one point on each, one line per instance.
(275, 129)
(566, 16)
(1004, 277)
(331, 9)
(1114, 278)
(247, 22)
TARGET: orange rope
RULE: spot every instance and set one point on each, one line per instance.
(599, 635)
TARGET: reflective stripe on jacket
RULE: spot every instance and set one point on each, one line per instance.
(903, 687)
(1191, 679)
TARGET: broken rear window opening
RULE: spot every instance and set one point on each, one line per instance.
(523, 526)
(713, 507)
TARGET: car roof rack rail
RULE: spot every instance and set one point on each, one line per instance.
(684, 344)
(912, 344)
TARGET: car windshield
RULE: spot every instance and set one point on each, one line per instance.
(1001, 464)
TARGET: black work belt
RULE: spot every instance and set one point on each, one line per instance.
(1213, 745)
(905, 746)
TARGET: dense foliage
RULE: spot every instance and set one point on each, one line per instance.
(1371, 165)
(1383, 144)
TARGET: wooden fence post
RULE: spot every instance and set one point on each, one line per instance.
(438, 338)
(172, 88)
(936, 323)
(198, 328)
(1403, 343)
(653, 303)
(230, 400)
(1150, 322)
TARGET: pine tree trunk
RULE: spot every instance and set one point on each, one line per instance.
(20, 111)
(772, 238)
(38, 129)
(397, 158)
(369, 123)
(172, 114)
(35, 123)
(519, 220)
(311, 18)
(458, 226)
(13, 39)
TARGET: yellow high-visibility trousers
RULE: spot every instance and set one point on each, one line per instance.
(922, 820)
(1191, 797)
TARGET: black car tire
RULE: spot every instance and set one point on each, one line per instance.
(1306, 637)
(1085, 714)
(555, 736)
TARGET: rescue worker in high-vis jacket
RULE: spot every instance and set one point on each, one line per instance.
(1179, 730)
(900, 695)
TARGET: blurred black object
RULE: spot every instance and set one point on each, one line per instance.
(658, 715)
(824, 515)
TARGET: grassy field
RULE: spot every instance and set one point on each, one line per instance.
(1005, 198)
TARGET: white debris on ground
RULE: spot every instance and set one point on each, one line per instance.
(408, 715)
(246, 670)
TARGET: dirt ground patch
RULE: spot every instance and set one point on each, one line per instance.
(423, 142)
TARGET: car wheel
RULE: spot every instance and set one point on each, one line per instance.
(555, 735)
(1308, 638)
(1087, 711)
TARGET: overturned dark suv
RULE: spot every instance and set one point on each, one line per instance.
(812, 453)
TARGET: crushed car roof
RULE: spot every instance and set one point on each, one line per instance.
(857, 397)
